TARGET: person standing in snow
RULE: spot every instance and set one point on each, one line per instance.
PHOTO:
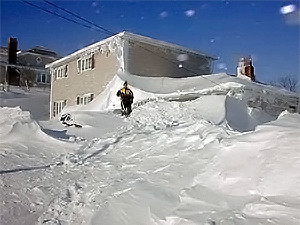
(126, 98)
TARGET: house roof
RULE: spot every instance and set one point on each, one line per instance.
(164, 43)
(40, 50)
(130, 36)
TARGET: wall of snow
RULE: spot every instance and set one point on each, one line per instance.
(239, 104)
(268, 149)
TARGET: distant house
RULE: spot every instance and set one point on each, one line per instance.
(28, 67)
(79, 77)
(3, 62)
(32, 64)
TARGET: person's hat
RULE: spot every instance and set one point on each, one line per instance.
(125, 83)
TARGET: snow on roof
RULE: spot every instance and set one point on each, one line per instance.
(74, 54)
(40, 50)
(127, 35)
(156, 42)
(38, 54)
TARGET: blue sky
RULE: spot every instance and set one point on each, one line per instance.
(227, 29)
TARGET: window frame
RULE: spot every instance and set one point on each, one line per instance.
(60, 72)
(40, 76)
(86, 63)
(58, 106)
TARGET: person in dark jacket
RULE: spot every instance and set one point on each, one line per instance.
(126, 96)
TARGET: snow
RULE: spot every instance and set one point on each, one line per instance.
(211, 150)
(36, 101)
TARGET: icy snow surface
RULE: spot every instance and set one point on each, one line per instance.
(191, 152)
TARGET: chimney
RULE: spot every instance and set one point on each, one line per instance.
(12, 46)
(12, 74)
(249, 69)
(245, 68)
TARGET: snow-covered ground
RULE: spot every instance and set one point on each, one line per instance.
(213, 150)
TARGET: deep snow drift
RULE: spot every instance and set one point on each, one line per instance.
(200, 153)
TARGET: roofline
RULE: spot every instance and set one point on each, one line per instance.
(37, 54)
(164, 43)
(74, 54)
(132, 36)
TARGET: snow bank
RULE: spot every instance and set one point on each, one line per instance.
(15, 122)
(17, 125)
(36, 101)
(226, 108)
(226, 111)
(26, 156)
(239, 103)
(20, 136)
(257, 163)
(178, 159)
(171, 166)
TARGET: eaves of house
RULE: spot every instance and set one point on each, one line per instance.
(133, 37)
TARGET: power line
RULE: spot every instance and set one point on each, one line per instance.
(107, 31)
(112, 33)
(81, 18)
(55, 14)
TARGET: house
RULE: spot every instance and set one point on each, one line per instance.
(3, 63)
(25, 67)
(32, 65)
(79, 77)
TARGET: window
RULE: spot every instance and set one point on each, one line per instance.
(48, 78)
(66, 70)
(82, 65)
(84, 99)
(42, 78)
(78, 65)
(61, 72)
(54, 74)
(85, 63)
(38, 60)
(58, 107)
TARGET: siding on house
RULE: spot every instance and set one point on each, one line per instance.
(92, 81)
(146, 59)
(3, 63)
(2, 73)
(34, 59)
(32, 65)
